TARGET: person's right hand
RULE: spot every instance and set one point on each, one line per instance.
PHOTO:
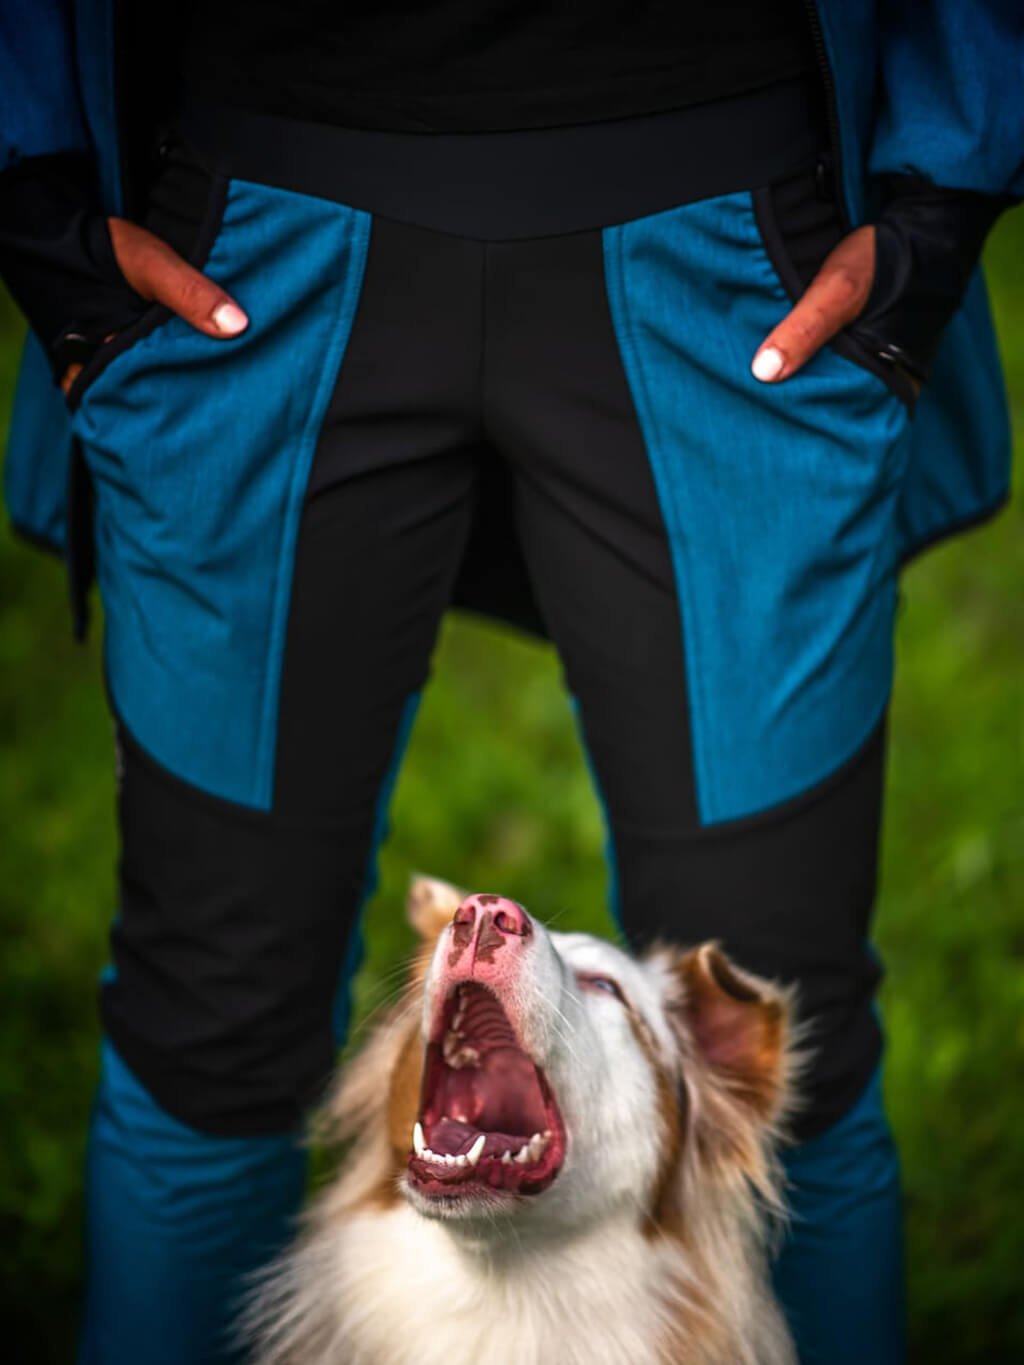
(157, 272)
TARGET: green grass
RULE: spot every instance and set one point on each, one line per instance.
(495, 793)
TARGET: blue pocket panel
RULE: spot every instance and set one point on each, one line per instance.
(779, 503)
(200, 451)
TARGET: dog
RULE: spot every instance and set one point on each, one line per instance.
(560, 1154)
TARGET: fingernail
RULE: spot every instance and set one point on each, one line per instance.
(229, 318)
(768, 364)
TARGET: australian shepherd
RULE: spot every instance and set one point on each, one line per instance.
(559, 1154)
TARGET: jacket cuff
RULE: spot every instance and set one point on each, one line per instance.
(927, 246)
(57, 258)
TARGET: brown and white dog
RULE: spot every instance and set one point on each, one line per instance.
(560, 1155)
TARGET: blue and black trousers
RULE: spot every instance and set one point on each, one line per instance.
(505, 395)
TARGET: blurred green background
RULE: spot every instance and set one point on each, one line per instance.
(495, 794)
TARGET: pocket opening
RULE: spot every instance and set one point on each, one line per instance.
(203, 235)
(799, 221)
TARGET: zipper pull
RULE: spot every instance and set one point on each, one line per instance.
(824, 177)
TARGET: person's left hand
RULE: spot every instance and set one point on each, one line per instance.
(831, 301)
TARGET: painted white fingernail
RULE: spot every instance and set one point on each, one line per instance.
(229, 318)
(768, 364)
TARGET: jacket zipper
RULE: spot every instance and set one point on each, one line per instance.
(118, 83)
(831, 112)
(890, 355)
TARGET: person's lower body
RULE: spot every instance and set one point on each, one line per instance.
(281, 520)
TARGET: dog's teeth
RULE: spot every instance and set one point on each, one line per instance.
(523, 1155)
(458, 1161)
(536, 1146)
(507, 1158)
(419, 1145)
(476, 1151)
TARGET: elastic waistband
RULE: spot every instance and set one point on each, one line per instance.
(532, 183)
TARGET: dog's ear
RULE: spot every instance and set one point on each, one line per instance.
(738, 1023)
(430, 905)
(728, 1094)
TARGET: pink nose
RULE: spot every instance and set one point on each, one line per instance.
(486, 912)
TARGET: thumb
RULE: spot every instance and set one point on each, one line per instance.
(157, 272)
(832, 300)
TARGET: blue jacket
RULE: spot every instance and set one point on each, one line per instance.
(932, 90)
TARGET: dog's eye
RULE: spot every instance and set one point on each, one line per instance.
(600, 983)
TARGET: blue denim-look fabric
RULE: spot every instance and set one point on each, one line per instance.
(779, 502)
(839, 1274)
(176, 1222)
(200, 451)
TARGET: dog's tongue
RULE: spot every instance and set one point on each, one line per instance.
(500, 1099)
(450, 1137)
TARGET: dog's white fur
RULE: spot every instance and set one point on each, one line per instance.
(649, 1247)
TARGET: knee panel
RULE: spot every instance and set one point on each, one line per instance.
(227, 950)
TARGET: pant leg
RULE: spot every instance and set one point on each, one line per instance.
(278, 534)
(843, 1254)
(715, 563)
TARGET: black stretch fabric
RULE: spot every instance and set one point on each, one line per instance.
(487, 65)
(234, 924)
(527, 183)
(54, 242)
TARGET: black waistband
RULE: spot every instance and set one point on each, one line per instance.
(534, 183)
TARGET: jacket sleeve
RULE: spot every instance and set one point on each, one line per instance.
(56, 256)
(947, 158)
(40, 105)
(952, 94)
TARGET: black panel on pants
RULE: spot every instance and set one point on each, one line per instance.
(469, 361)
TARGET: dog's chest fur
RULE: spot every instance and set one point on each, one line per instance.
(400, 1291)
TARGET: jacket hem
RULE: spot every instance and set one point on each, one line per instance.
(36, 539)
(956, 527)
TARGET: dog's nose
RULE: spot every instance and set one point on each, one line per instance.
(487, 913)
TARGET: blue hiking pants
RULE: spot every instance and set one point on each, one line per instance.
(417, 415)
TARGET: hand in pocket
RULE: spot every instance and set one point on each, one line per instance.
(156, 272)
(834, 298)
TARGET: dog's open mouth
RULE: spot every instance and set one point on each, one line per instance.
(488, 1118)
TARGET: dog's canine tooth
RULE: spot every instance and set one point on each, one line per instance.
(418, 1143)
(476, 1151)
(536, 1146)
(523, 1155)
